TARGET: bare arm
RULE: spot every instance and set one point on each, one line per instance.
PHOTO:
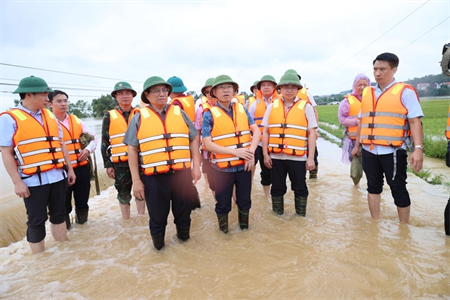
(195, 155)
(70, 174)
(265, 148)
(20, 188)
(310, 165)
(417, 134)
(133, 163)
(355, 151)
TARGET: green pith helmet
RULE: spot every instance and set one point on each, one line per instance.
(209, 82)
(152, 81)
(255, 84)
(32, 85)
(289, 78)
(220, 80)
(293, 72)
(177, 84)
(269, 78)
(123, 86)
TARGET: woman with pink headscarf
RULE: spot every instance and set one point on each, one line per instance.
(348, 116)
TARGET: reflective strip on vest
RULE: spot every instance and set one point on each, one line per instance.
(21, 167)
(165, 149)
(162, 136)
(166, 162)
(225, 136)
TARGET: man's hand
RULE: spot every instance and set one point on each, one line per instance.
(21, 189)
(111, 173)
(71, 177)
(84, 154)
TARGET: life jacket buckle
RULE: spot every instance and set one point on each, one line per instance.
(167, 136)
(371, 125)
(370, 137)
(372, 114)
(170, 162)
(169, 149)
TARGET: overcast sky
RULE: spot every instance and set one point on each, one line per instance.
(327, 42)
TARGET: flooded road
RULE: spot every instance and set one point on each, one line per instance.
(336, 252)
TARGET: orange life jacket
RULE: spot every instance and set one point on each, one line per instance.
(288, 132)
(261, 109)
(163, 145)
(303, 94)
(447, 132)
(355, 107)
(188, 105)
(117, 128)
(251, 99)
(241, 98)
(36, 147)
(230, 133)
(384, 121)
(71, 137)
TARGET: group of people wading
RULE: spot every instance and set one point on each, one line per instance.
(158, 152)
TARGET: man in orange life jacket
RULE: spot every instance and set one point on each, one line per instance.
(390, 114)
(115, 152)
(34, 156)
(162, 141)
(289, 142)
(187, 103)
(253, 90)
(266, 94)
(211, 101)
(72, 129)
(226, 130)
(305, 94)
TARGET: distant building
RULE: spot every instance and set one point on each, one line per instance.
(422, 86)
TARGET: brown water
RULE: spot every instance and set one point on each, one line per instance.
(336, 252)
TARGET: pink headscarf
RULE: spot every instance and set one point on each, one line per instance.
(358, 78)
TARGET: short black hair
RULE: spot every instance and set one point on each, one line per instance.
(390, 58)
(55, 93)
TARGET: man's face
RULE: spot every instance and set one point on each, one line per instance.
(208, 93)
(60, 104)
(158, 95)
(289, 92)
(124, 97)
(267, 88)
(39, 100)
(383, 73)
(224, 92)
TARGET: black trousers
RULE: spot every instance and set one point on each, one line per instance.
(297, 175)
(160, 191)
(80, 189)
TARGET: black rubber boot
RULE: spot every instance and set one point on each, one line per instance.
(158, 240)
(447, 218)
(243, 218)
(68, 224)
(300, 205)
(313, 173)
(278, 205)
(183, 233)
(223, 223)
(81, 215)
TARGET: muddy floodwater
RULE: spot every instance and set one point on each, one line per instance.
(336, 252)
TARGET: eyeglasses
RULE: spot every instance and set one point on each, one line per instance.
(158, 91)
(289, 87)
(207, 92)
(225, 87)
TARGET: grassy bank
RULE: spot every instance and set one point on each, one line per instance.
(434, 125)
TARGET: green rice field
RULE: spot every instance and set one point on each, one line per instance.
(434, 124)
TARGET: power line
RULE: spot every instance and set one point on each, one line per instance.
(61, 72)
(54, 83)
(372, 42)
(66, 88)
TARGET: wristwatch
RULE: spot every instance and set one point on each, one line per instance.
(418, 147)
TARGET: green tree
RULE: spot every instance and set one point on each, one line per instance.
(103, 104)
(194, 95)
(16, 102)
(81, 109)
